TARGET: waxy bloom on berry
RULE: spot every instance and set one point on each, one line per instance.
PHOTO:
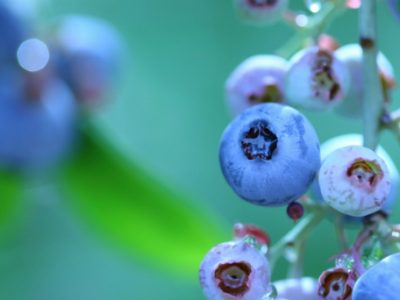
(316, 79)
(355, 181)
(351, 56)
(235, 270)
(297, 289)
(258, 79)
(357, 140)
(260, 11)
(380, 282)
(269, 154)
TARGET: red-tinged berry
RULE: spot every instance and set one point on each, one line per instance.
(243, 230)
(295, 211)
(260, 11)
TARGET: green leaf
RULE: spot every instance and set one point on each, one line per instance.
(136, 210)
(10, 196)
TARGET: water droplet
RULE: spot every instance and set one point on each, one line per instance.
(272, 293)
(301, 20)
(314, 5)
(33, 55)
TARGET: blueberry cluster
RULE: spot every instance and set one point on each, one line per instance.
(270, 155)
(46, 82)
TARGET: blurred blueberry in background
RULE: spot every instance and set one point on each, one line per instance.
(87, 51)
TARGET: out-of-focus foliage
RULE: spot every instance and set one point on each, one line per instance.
(129, 206)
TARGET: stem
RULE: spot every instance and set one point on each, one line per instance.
(372, 97)
(315, 26)
(340, 233)
(297, 234)
(296, 267)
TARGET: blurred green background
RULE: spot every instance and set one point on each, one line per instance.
(167, 114)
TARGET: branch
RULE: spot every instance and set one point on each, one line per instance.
(373, 95)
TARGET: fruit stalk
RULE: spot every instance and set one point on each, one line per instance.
(372, 95)
(297, 234)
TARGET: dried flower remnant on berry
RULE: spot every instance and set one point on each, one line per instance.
(259, 142)
(270, 93)
(233, 278)
(235, 270)
(316, 79)
(355, 181)
(324, 84)
(365, 174)
(336, 284)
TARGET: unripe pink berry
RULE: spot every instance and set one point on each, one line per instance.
(235, 270)
(316, 79)
(355, 181)
(258, 79)
(351, 56)
(260, 11)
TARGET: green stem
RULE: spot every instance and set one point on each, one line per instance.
(297, 234)
(372, 98)
(315, 26)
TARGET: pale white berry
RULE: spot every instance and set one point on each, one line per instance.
(355, 181)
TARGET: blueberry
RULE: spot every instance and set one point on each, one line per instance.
(380, 282)
(260, 11)
(235, 270)
(12, 33)
(34, 133)
(297, 289)
(356, 140)
(316, 79)
(269, 154)
(258, 79)
(355, 181)
(88, 52)
(351, 56)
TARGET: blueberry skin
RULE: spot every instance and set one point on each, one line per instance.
(292, 166)
(380, 282)
(12, 34)
(34, 133)
(88, 53)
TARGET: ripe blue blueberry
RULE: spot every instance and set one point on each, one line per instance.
(12, 33)
(34, 133)
(269, 154)
(258, 79)
(89, 52)
(260, 11)
(380, 282)
(316, 79)
(235, 270)
(355, 181)
(351, 56)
